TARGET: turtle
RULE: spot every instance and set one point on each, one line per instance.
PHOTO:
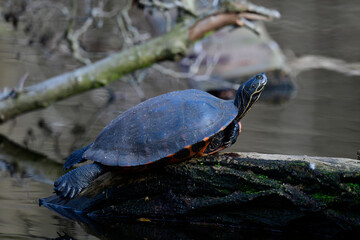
(169, 128)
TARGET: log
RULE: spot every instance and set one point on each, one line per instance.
(267, 191)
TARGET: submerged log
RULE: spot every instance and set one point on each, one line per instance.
(232, 189)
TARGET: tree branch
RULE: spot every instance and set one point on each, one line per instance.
(167, 47)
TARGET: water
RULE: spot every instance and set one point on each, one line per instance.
(22, 218)
(323, 119)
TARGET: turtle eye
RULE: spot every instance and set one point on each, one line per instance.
(259, 77)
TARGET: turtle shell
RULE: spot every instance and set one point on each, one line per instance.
(160, 127)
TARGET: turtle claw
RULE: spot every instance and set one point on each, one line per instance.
(73, 193)
(72, 183)
(60, 186)
(68, 187)
(68, 192)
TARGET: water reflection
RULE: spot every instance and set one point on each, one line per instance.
(136, 230)
(21, 217)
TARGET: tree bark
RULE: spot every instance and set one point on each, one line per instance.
(170, 46)
(231, 189)
(95, 75)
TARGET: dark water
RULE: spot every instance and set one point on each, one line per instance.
(323, 119)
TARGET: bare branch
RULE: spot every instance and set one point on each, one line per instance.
(168, 6)
(73, 36)
(15, 91)
(233, 6)
(170, 72)
(170, 46)
(130, 34)
(194, 69)
(308, 62)
(219, 20)
(137, 88)
(125, 34)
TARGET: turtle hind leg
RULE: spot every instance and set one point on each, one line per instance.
(75, 157)
(73, 182)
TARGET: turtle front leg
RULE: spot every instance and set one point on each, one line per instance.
(232, 134)
(224, 139)
(73, 182)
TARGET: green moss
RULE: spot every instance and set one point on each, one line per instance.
(209, 33)
(264, 177)
(323, 197)
(252, 191)
(354, 187)
(247, 189)
(331, 174)
(226, 191)
(299, 164)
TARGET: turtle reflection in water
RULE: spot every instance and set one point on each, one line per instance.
(166, 129)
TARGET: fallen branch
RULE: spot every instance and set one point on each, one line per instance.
(281, 192)
(167, 47)
(309, 62)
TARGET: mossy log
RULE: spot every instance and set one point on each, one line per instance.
(232, 189)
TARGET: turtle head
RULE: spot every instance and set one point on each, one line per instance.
(248, 93)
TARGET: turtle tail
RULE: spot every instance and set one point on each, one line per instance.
(75, 157)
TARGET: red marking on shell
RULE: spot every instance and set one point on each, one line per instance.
(189, 147)
(201, 152)
(170, 155)
(206, 139)
(217, 150)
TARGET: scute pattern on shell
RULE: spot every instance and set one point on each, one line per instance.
(161, 126)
